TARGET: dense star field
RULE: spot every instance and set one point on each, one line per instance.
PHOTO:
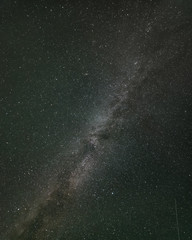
(95, 120)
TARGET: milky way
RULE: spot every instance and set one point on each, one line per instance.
(119, 175)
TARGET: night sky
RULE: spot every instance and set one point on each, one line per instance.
(96, 120)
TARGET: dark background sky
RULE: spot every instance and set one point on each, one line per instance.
(52, 72)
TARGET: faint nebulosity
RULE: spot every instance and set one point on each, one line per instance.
(95, 126)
